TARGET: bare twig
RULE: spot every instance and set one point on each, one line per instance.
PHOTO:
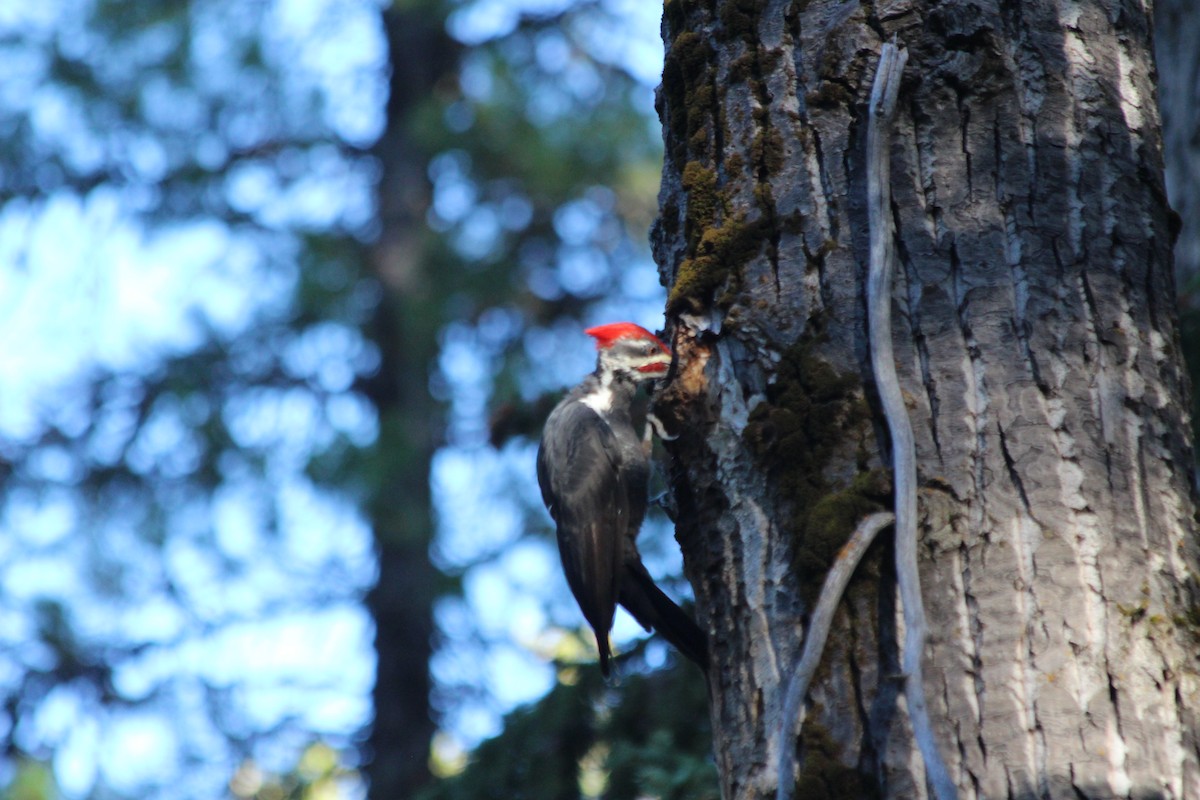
(883, 363)
(814, 644)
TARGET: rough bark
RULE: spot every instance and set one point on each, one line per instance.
(1035, 337)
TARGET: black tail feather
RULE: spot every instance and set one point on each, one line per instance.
(605, 652)
(655, 611)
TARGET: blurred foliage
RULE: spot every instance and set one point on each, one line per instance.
(31, 780)
(647, 736)
(317, 776)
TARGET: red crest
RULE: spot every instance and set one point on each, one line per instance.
(605, 335)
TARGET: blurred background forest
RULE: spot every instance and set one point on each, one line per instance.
(287, 288)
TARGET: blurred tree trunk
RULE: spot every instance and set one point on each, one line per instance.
(1036, 342)
(1177, 44)
(405, 327)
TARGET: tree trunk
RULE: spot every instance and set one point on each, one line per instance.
(1035, 335)
(1177, 45)
(404, 327)
(1177, 34)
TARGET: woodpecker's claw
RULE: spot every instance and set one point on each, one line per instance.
(659, 429)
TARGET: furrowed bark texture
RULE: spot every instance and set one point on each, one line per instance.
(1035, 337)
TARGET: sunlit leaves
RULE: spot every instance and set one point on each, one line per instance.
(319, 775)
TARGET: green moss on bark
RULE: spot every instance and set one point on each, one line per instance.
(720, 235)
(740, 18)
(703, 200)
(673, 13)
(823, 776)
(719, 242)
(810, 412)
(830, 95)
(742, 67)
(719, 255)
(688, 89)
(833, 517)
(767, 150)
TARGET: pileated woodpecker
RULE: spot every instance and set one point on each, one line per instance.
(594, 471)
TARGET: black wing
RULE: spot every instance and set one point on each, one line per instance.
(580, 473)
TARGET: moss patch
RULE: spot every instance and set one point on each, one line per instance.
(835, 515)
(823, 775)
(721, 235)
(810, 412)
(734, 163)
(831, 95)
(689, 88)
(700, 183)
(718, 243)
(767, 150)
(719, 254)
(673, 13)
(742, 68)
(740, 18)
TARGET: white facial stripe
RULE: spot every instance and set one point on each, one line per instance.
(656, 358)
